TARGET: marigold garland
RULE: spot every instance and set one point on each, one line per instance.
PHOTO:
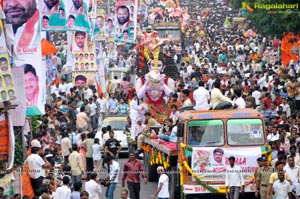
(209, 188)
(188, 168)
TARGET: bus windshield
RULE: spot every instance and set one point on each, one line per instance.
(205, 133)
(245, 132)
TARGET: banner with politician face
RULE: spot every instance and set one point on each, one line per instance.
(53, 14)
(51, 71)
(110, 25)
(83, 49)
(22, 25)
(84, 78)
(98, 22)
(7, 86)
(126, 12)
(77, 15)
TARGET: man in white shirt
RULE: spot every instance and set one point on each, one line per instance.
(293, 171)
(103, 108)
(134, 114)
(234, 179)
(239, 100)
(63, 86)
(114, 171)
(281, 187)
(163, 184)
(256, 94)
(87, 93)
(92, 187)
(93, 115)
(37, 165)
(63, 192)
(55, 90)
(274, 135)
(210, 82)
(201, 97)
(286, 107)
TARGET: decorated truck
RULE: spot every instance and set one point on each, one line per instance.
(197, 163)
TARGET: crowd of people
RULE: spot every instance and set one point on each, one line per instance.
(223, 69)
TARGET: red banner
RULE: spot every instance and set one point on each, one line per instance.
(4, 139)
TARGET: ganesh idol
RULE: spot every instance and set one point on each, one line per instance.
(151, 42)
(153, 87)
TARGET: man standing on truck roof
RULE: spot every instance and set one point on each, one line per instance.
(234, 179)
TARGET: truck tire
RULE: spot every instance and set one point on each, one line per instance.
(152, 173)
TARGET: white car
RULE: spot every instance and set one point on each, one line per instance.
(117, 124)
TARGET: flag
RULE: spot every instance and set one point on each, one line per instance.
(287, 45)
(226, 23)
(47, 47)
(55, 81)
(249, 33)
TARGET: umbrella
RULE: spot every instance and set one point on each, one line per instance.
(47, 47)
(33, 111)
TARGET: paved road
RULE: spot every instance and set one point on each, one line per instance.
(146, 189)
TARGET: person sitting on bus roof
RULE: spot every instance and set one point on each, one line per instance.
(170, 133)
(219, 101)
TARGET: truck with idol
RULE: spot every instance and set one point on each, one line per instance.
(196, 164)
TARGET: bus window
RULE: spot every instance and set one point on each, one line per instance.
(244, 132)
(205, 133)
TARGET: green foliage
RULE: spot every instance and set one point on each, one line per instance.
(268, 24)
(18, 146)
(35, 123)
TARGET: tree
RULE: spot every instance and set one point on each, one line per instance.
(272, 22)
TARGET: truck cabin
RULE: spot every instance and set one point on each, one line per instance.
(222, 128)
(169, 31)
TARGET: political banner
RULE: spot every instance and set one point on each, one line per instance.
(99, 28)
(52, 15)
(23, 25)
(110, 25)
(98, 22)
(210, 163)
(18, 113)
(35, 76)
(77, 15)
(7, 86)
(102, 72)
(126, 12)
(93, 9)
(84, 58)
(26, 47)
(51, 72)
(84, 78)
